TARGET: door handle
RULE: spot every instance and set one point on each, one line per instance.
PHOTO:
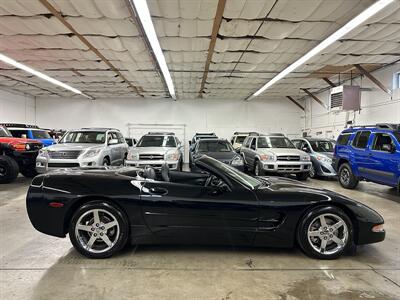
(158, 191)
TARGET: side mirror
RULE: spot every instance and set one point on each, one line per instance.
(113, 142)
(305, 149)
(190, 143)
(253, 147)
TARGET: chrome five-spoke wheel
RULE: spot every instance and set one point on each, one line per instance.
(327, 234)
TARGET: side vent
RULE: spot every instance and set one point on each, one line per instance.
(345, 98)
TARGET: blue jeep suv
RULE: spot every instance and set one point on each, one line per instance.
(32, 132)
(369, 153)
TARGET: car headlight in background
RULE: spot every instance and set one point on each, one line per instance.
(172, 156)
(237, 161)
(267, 157)
(305, 158)
(91, 153)
(133, 155)
(324, 159)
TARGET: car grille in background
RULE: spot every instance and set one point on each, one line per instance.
(63, 165)
(288, 168)
(151, 157)
(288, 158)
(71, 154)
(35, 146)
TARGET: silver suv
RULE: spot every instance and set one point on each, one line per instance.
(86, 147)
(155, 149)
(274, 153)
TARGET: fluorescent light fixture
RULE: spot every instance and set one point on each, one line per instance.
(18, 65)
(365, 15)
(145, 18)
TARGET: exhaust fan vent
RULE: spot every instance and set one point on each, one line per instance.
(345, 97)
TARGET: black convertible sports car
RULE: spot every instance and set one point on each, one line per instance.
(104, 208)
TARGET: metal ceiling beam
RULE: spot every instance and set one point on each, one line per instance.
(372, 78)
(329, 82)
(58, 15)
(215, 29)
(295, 102)
(314, 97)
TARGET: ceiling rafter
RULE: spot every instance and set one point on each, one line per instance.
(215, 29)
(58, 15)
(295, 102)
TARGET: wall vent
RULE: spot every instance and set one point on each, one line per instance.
(345, 98)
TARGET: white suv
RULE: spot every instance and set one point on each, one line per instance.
(86, 147)
(155, 149)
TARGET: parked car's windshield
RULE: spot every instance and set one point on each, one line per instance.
(240, 139)
(274, 142)
(86, 137)
(246, 180)
(322, 146)
(4, 132)
(157, 141)
(40, 134)
(214, 146)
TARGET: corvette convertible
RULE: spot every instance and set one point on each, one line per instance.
(103, 209)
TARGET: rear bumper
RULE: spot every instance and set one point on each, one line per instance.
(286, 167)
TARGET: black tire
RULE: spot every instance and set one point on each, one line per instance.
(8, 169)
(180, 165)
(302, 176)
(307, 246)
(124, 159)
(120, 240)
(258, 168)
(29, 172)
(245, 168)
(106, 161)
(313, 173)
(346, 177)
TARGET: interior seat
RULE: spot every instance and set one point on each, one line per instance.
(165, 172)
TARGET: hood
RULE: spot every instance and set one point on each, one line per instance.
(327, 154)
(73, 146)
(151, 150)
(221, 156)
(282, 151)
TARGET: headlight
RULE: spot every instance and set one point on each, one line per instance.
(43, 152)
(133, 155)
(237, 161)
(324, 159)
(172, 156)
(305, 158)
(269, 157)
(91, 153)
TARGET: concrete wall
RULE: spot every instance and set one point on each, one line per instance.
(17, 108)
(376, 106)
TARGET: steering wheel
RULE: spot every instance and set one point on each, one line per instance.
(213, 181)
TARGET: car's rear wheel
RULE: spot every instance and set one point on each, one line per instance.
(325, 233)
(8, 169)
(98, 230)
(346, 177)
(106, 161)
(258, 168)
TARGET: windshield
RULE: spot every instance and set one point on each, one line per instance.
(157, 141)
(85, 137)
(40, 134)
(4, 132)
(274, 142)
(214, 146)
(322, 146)
(234, 173)
(240, 139)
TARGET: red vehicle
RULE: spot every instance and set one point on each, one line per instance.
(17, 155)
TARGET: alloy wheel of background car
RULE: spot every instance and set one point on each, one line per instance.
(106, 162)
(312, 172)
(325, 233)
(258, 171)
(98, 230)
(346, 177)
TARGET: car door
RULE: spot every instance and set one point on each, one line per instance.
(114, 149)
(361, 154)
(123, 147)
(244, 150)
(384, 160)
(197, 214)
(252, 152)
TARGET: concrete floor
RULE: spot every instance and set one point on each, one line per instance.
(36, 266)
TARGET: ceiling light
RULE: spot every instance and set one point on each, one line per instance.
(365, 15)
(18, 65)
(144, 15)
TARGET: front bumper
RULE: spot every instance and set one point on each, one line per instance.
(287, 167)
(324, 169)
(45, 164)
(156, 164)
(25, 159)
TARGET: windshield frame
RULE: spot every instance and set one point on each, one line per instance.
(269, 143)
(163, 144)
(229, 145)
(62, 140)
(313, 143)
(41, 131)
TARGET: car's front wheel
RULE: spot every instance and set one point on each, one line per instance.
(8, 169)
(258, 168)
(98, 230)
(325, 233)
(313, 172)
(346, 177)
